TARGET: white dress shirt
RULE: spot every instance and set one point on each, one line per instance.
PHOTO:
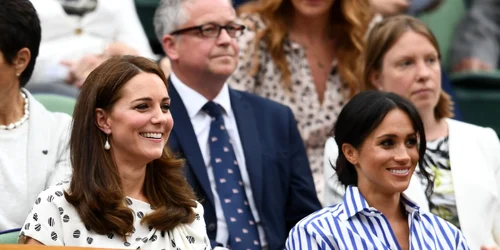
(201, 121)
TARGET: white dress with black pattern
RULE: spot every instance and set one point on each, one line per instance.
(54, 221)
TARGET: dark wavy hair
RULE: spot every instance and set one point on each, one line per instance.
(19, 28)
(360, 117)
(96, 189)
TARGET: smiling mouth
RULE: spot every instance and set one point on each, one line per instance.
(152, 135)
(399, 171)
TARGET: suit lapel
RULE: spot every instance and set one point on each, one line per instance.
(247, 128)
(183, 131)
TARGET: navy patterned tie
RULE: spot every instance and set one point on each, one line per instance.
(243, 232)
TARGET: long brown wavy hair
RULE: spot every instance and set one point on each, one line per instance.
(96, 189)
(350, 22)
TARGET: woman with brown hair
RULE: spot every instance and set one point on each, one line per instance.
(127, 189)
(402, 56)
(304, 54)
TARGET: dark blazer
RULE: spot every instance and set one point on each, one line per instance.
(280, 176)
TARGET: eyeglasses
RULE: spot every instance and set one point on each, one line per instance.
(213, 30)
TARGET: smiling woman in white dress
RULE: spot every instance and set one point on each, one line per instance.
(127, 190)
(402, 56)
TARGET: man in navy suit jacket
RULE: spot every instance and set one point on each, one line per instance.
(199, 37)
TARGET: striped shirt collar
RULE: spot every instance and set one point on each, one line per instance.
(355, 203)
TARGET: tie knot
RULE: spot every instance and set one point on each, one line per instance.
(212, 109)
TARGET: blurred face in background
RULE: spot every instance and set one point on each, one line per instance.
(411, 68)
(313, 8)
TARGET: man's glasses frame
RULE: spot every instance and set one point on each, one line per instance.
(213, 30)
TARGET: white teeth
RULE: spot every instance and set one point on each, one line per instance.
(399, 171)
(152, 135)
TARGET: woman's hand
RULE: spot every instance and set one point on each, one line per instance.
(117, 49)
(489, 248)
(79, 70)
(472, 65)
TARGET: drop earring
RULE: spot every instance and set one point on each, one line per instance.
(106, 144)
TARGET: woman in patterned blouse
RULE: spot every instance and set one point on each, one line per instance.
(402, 56)
(127, 189)
(304, 54)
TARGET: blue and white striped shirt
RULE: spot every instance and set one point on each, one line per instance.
(353, 224)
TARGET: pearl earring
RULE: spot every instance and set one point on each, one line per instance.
(106, 145)
(18, 74)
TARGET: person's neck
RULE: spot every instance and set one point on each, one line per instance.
(132, 176)
(434, 128)
(310, 30)
(207, 86)
(388, 204)
(11, 105)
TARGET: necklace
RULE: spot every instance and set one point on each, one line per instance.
(22, 120)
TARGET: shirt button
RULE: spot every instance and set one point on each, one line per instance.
(211, 227)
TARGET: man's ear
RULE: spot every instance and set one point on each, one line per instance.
(169, 44)
(22, 60)
(350, 153)
(102, 121)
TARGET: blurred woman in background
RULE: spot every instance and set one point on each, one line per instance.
(306, 55)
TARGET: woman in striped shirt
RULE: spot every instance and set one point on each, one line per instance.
(381, 139)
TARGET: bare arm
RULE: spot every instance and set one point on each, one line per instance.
(31, 241)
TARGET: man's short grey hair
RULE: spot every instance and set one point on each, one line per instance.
(169, 16)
